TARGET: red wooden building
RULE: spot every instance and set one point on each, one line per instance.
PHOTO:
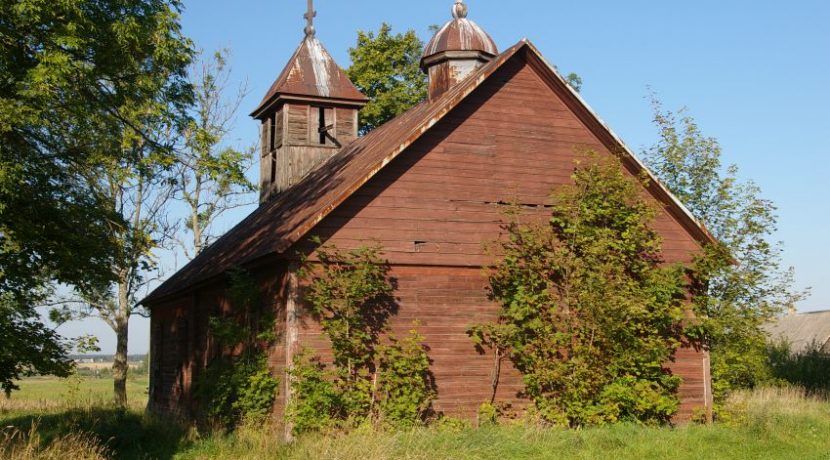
(497, 127)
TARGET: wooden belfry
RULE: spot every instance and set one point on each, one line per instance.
(308, 114)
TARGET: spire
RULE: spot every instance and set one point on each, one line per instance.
(459, 10)
(309, 18)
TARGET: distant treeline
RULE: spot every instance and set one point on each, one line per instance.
(107, 358)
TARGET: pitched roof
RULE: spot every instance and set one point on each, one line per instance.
(802, 331)
(277, 224)
(311, 72)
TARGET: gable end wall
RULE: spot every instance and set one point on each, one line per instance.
(434, 207)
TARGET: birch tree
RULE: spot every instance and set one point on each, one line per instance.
(212, 177)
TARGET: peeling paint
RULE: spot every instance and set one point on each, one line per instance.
(320, 62)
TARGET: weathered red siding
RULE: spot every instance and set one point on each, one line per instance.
(434, 208)
(181, 345)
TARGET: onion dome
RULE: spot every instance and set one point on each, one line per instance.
(460, 34)
(456, 51)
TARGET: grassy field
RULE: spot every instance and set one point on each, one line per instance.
(48, 394)
(768, 424)
(85, 389)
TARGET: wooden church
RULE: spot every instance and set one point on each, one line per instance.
(497, 127)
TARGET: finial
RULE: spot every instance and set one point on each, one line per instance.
(309, 18)
(459, 10)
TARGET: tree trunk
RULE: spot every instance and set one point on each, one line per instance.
(494, 382)
(120, 366)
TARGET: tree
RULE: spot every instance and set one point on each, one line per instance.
(350, 294)
(28, 347)
(589, 313)
(69, 73)
(212, 178)
(139, 188)
(386, 68)
(743, 283)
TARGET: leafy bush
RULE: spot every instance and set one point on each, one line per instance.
(350, 294)
(405, 383)
(238, 385)
(488, 414)
(315, 402)
(590, 314)
(809, 369)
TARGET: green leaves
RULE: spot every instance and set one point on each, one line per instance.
(351, 297)
(386, 68)
(589, 313)
(406, 389)
(27, 347)
(350, 294)
(210, 175)
(238, 385)
(88, 92)
(741, 283)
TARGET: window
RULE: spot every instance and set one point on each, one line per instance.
(273, 131)
(321, 124)
(273, 158)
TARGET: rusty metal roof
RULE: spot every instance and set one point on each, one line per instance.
(311, 72)
(277, 224)
(461, 34)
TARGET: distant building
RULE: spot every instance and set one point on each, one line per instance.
(803, 331)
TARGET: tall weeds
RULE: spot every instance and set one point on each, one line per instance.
(16, 444)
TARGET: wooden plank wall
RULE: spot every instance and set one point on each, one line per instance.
(181, 345)
(433, 207)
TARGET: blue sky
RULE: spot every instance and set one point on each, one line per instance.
(755, 75)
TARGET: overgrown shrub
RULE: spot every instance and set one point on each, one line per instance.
(315, 402)
(238, 385)
(590, 315)
(809, 368)
(406, 388)
(350, 294)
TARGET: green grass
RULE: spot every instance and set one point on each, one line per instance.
(85, 389)
(769, 424)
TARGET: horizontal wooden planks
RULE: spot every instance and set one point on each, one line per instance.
(435, 208)
(442, 303)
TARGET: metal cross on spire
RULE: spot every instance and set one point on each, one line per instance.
(309, 18)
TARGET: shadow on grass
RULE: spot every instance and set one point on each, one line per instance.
(126, 434)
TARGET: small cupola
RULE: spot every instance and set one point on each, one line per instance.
(308, 114)
(456, 50)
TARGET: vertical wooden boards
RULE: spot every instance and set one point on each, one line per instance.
(346, 130)
(292, 337)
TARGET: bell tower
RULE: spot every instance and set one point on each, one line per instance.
(456, 51)
(308, 114)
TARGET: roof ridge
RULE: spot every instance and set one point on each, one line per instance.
(292, 214)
